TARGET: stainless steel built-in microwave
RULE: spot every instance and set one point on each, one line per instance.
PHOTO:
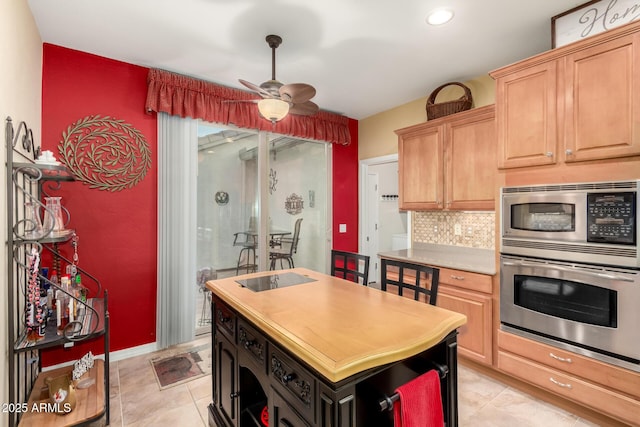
(585, 222)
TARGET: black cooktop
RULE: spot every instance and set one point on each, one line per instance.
(274, 281)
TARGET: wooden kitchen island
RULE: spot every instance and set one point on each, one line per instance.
(301, 348)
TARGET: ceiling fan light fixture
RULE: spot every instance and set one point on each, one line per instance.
(273, 109)
(439, 16)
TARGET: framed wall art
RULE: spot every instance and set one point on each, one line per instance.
(591, 18)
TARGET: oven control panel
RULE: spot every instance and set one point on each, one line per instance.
(611, 218)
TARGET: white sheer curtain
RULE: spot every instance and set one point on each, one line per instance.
(177, 216)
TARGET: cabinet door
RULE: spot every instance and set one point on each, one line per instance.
(526, 116)
(226, 368)
(470, 161)
(282, 415)
(474, 339)
(602, 103)
(421, 168)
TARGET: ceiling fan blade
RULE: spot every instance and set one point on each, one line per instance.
(305, 109)
(263, 93)
(297, 92)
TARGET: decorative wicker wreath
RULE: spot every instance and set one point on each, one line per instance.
(106, 153)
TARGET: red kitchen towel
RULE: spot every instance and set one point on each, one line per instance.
(420, 403)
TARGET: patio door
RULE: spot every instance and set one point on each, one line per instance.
(250, 185)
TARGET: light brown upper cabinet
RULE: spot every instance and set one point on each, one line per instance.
(449, 163)
(572, 104)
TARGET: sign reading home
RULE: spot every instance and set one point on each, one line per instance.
(592, 18)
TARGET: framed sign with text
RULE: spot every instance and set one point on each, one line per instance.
(592, 18)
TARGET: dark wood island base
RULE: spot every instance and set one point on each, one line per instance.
(259, 381)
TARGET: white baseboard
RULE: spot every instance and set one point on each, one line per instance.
(114, 356)
(133, 351)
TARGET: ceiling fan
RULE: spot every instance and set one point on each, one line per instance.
(279, 99)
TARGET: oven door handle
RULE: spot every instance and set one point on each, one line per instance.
(614, 277)
(560, 268)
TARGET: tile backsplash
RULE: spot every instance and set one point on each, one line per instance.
(476, 229)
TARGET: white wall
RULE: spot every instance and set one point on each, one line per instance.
(21, 99)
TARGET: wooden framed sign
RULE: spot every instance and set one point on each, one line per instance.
(592, 18)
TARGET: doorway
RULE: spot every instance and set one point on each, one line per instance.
(384, 226)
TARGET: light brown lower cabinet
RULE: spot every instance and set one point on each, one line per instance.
(474, 338)
(605, 388)
(469, 294)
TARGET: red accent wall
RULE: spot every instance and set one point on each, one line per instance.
(118, 230)
(345, 192)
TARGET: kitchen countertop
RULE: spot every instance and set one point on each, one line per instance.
(463, 258)
(337, 327)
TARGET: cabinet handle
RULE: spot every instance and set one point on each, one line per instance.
(222, 318)
(234, 395)
(569, 152)
(549, 154)
(561, 359)
(288, 378)
(558, 383)
(457, 277)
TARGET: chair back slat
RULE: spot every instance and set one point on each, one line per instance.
(350, 266)
(420, 279)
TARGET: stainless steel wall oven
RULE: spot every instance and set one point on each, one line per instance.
(570, 270)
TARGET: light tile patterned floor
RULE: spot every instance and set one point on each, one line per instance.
(137, 401)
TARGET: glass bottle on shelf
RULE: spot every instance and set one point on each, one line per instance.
(53, 222)
(33, 225)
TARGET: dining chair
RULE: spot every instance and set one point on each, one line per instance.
(247, 255)
(285, 248)
(400, 276)
(350, 266)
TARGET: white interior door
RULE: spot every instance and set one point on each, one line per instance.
(370, 224)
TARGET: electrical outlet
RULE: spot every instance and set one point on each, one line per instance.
(457, 230)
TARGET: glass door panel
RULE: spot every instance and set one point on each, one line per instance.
(294, 182)
(228, 208)
(298, 189)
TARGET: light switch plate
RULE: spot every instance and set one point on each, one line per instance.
(342, 228)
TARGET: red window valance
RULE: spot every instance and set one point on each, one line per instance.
(184, 96)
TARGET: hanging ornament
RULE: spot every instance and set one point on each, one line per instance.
(35, 318)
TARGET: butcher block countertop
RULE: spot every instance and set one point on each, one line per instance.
(464, 258)
(338, 328)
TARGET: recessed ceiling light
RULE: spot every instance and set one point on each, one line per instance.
(439, 16)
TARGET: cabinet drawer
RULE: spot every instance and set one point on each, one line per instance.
(225, 319)
(606, 401)
(283, 414)
(294, 382)
(465, 279)
(609, 376)
(252, 342)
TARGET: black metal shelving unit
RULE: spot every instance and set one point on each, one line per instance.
(29, 181)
